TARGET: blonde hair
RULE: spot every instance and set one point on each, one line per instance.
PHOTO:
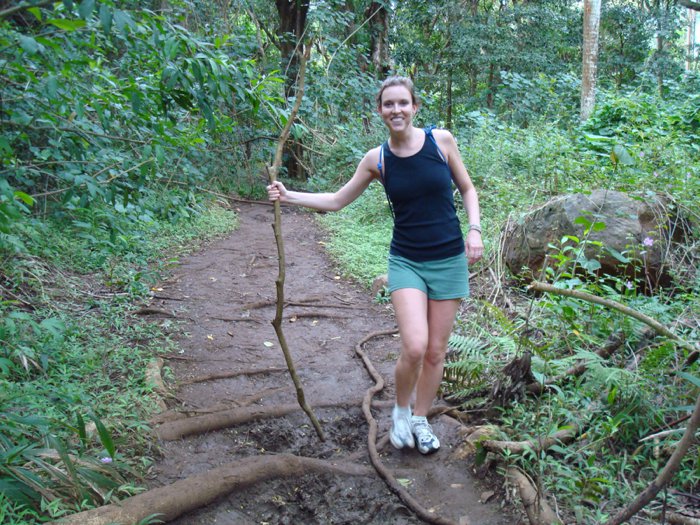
(397, 80)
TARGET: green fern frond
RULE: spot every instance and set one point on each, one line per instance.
(464, 344)
(505, 323)
(467, 368)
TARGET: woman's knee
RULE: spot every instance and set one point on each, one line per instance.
(414, 351)
(435, 355)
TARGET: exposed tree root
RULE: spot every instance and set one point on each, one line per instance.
(154, 379)
(154, 311)
(238, 320)
(179, 358)
(244, 401)
(537, 509)
(178, 415)
(176, 499)
(516, 375)
(273, 302)
(323, 305)
(679, 519)
(310, 302)
(245, 201)
(172, 357)
(537, 445)
(288, 317)
(184, 413)
(383, 472)
(167, 298)
(312, 315)
(228, 375)
(180, 428)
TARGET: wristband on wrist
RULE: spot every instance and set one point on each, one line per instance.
(475, 227)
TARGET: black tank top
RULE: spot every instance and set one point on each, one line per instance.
(419, 187)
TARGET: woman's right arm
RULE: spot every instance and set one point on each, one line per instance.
(365, 172)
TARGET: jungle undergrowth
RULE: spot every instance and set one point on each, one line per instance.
(72, 372)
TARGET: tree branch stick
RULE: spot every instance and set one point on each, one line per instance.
(690, 4)
(649, 493)
(277, 227)
(536, 507)
(203, 423)
(536, 445)
(12, 10)
(653, 323)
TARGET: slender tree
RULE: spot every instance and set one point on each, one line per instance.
(378, 17)
(290, 32)
(591, 31)
(690, 58)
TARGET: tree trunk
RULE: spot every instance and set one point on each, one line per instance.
(492, 86)
(379, 38)
(472, 75)
(292, 15)
(690, 59)
(619, 70)
(591, 28)
(659, 60)
(448, 116)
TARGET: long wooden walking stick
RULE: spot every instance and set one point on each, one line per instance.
(277, 227)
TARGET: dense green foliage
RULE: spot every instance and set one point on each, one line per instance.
(120, 124)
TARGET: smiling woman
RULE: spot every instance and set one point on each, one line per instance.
(394, 105)
(427, 265)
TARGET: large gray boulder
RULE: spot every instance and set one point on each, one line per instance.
(620, 227)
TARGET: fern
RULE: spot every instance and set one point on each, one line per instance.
(465, 344)
(472, 363)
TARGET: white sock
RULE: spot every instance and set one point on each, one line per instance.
(403, 411)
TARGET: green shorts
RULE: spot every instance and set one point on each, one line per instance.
(441, 279)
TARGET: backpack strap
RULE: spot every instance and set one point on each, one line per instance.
(380, 166)
(429, 131)
(382, 175)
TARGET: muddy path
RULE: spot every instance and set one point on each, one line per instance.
(224, 297)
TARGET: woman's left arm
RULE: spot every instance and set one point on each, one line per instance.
(460, 175)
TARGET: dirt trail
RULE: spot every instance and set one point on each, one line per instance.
(224, 331)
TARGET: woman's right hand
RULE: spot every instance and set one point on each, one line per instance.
(276, 191)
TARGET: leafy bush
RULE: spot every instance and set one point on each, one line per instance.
(73, 358)
(107, 107)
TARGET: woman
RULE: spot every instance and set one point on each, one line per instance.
(427, 265)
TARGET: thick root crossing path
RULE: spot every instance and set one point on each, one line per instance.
(172, 501)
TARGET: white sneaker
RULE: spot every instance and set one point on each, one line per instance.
(425, 439)
(401, 435)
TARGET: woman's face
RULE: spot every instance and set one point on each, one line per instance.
(397, 108)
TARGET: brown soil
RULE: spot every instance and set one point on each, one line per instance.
(217, 294)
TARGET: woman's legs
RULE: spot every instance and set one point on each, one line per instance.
(440, 320)
(411, 309)
(424, 326)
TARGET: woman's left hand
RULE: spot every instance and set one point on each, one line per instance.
(475, 246)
